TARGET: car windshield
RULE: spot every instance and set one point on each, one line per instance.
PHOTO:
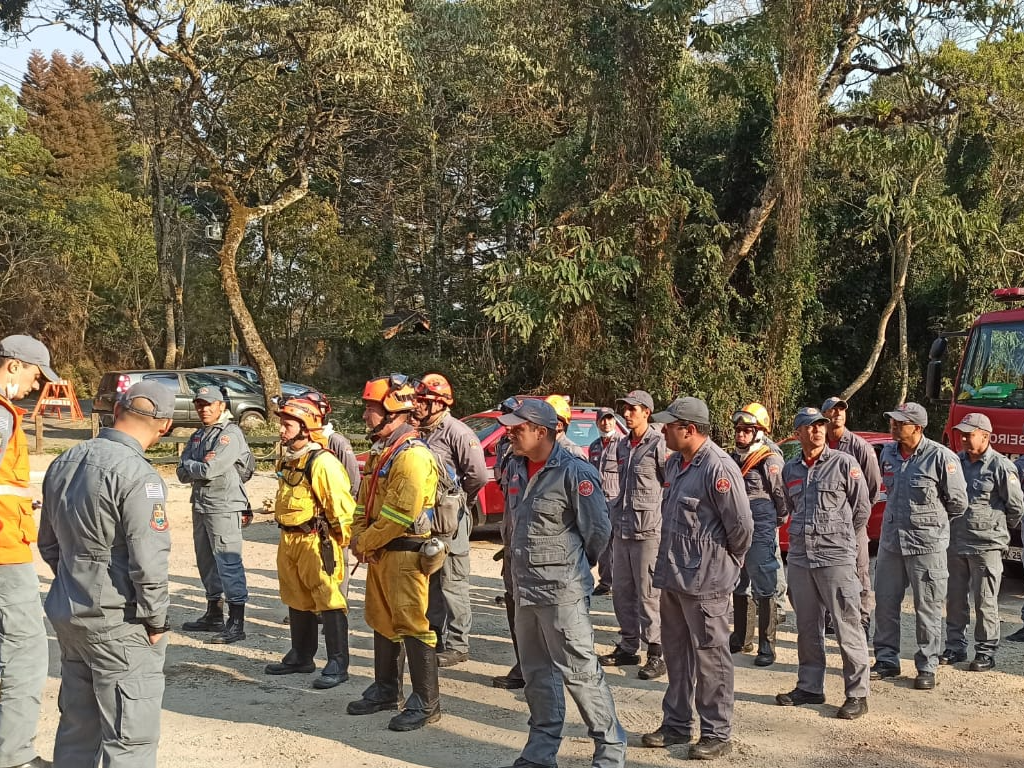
(993, 369)
(484, 426)
(583, 431)
(230, 383)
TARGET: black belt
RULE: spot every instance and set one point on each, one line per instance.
(404, 544)
(306, 528)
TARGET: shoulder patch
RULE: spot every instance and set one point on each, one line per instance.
(773, 469)
(158, 520)
(951, 467)
(224, 439)
(585, 488)
(855, 472)
(154, 491)
(722, 485)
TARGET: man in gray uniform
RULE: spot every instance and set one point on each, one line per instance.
(216, 461)
(449, 610)
(842, 439)
(829, 504)
(706, 532)
(976, 544)
(926, 489)
(105, 534)
(636, 527)
(23, 652)
(559, 527)
(604, 458)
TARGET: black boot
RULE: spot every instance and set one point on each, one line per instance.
(211, 621)
(299, 659)
(424, 706)
(742, 637)
(766, 625)
(234, 630)
(386, 691)
(336, 640)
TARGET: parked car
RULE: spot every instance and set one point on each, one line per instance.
(245, 402)
(790, 447)
(288, 388)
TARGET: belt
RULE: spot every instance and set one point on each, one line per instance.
(404, 544)
(16, 490)
(307, 527)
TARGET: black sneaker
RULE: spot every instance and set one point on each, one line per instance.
(1016, 637)
(602, 589)
(852, 708)
(654, 668)
(949, 656)
(619, 658)
(880, 671)
(665, 737)
(798, 697)
(708, 748)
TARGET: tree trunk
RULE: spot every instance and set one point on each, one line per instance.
(904, 357)
(165, 269)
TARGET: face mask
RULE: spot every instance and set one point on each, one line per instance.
(608, 434)
(11, 389)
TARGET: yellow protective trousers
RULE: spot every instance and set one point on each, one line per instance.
(304, 584)
(396, 597)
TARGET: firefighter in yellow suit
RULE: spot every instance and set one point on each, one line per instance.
(314, 510)
(391, 524)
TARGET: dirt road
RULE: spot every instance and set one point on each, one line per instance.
(220, 710)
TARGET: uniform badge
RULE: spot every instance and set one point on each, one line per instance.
(855, 473)
(773, 469)
(722, 485)
(585, 488)
(154, 491)
(951, 467)
(224, 439)
(158, 520)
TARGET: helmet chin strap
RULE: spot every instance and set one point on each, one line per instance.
(388, 418)
(292, 440)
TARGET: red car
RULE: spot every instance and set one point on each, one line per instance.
(490, 503)
(876, 440)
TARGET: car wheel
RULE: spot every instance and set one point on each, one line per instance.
(251, 420)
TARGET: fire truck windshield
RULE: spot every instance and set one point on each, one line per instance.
(993, 371)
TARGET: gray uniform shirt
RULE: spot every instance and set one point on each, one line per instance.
(456, 445)
(924, 492)
(706, 526)
(604, 458)
(210, 463)
(767, 495)
(105, 534)
(558, 527)
(856, 446)
(995, 505)
(636, 511)
(341, 447)
(829, 503)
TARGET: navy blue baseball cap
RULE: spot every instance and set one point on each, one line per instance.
(534, 411)
(209, 394)
(807, 416)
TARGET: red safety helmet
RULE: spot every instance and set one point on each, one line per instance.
(394, 392)
(434, 386)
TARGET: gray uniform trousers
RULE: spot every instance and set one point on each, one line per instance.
(634, 597)
(23, 661)
(449, 607)
(926, 575)
(836, 589)
(217, 537)
(700, 669)
(974, 578)
(556, 648)
(867, 596)
(110, 697)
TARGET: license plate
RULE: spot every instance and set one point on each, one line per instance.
(1014, 553)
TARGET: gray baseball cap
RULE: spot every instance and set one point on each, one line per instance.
(973, 421)
(910, 413)
(603, 413)
(534, 411)
(638, 397)
(807, 416)
(691, 409)
(834, 402)
(209, 394)
(160, 396)
(28, 350)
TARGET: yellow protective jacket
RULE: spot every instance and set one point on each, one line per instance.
(303, 493)
(398, 484)
(17, 525)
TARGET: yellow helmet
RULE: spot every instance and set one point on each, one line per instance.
(753, 415)
(561, 405)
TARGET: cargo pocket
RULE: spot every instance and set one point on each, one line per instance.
(933, 586)
(849, 602)
(715, 630)
(139, 700)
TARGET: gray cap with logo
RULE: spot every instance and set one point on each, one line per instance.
(834, 402)
(161, 397)
(973, 421)
(689, 409)
(909, 413)
(209, 394)
(28, 350)
(638, 397)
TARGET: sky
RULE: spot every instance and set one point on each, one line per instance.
(47, 40)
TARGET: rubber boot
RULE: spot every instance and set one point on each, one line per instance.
(234, 630)
(386, 690)
(336, 640)
(742, 637)
(299, 659)
(424, 705)
(767, 622)
(211, 621)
